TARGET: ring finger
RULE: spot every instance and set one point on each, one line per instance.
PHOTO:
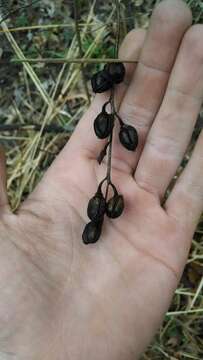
(171, 132)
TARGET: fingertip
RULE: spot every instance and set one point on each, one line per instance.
(169, 22)
(193, 41)
(176, 12)
(132, 44)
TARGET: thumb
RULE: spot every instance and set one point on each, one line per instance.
(3, 180)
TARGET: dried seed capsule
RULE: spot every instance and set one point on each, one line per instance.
(92, 233)
(103, 125)
(115, 206)
(116, 72)
(101, 82)
(128, 137)
(96, 207)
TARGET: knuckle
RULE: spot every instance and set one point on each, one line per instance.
(137, 115)
(165, 145)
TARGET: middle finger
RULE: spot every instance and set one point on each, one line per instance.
(168, 24)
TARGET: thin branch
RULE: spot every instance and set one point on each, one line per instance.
(103, 153)
(52, 128)
(78, 60)
(46, 27)
(77, 29)
(53, 26)
(18, 52)
(118, 28)
(5, 12)
(112, 99)
(110, 143)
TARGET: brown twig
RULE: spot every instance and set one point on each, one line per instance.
(52, 128)
(5, 10)
(77, 61)
(118, 28)
(77, 29)
(112, 102)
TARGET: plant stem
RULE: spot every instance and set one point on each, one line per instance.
(6, 12)
(112, 102)
(103, 153)
(71, 60)
(35, 127)
(118, 117)
(77, 29)
(118, 28)
(110, 141)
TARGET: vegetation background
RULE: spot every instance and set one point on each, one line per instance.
(40, 104)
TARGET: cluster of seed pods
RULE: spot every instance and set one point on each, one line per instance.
(100, 205)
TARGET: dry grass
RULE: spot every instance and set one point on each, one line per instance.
(45, 94)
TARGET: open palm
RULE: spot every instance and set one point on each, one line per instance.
(61, 299)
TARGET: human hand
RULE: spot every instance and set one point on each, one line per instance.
(61, 299)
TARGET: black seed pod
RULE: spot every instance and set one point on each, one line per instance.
(92, 233)
(128, 137)
(103, 125)
(116, 71)
(115, 206)
(101, 82)
(96, 207)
